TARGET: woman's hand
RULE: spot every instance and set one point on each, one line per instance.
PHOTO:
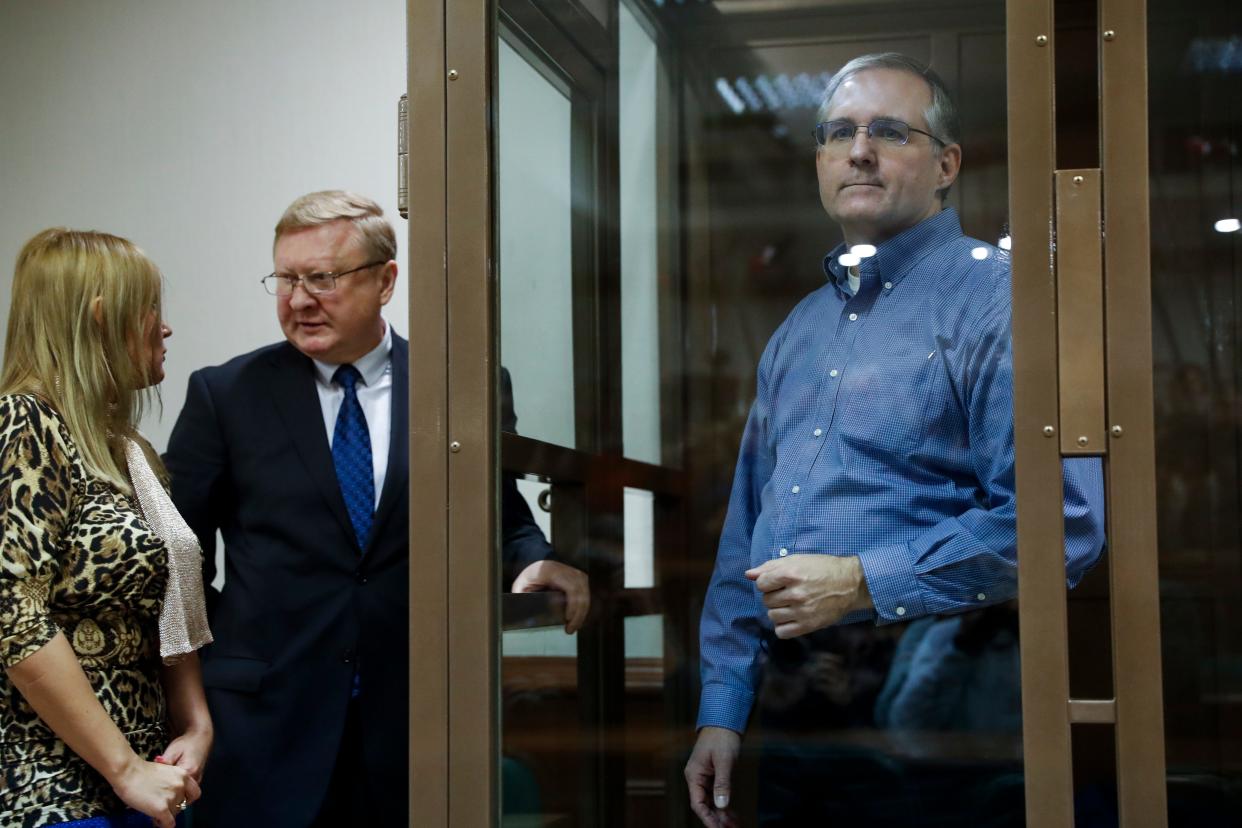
(189, 752)
(188, 717)
(157, 790)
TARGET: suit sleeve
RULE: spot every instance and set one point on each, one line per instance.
(522, 541)
(197, 462)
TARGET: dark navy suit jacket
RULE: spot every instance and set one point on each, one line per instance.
(303, 606)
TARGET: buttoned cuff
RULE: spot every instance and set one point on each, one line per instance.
(894, 587)
(721, 705)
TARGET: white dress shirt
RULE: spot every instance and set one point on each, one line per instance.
(374, 395)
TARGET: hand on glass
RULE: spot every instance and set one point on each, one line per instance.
(559, 577)
(804, 593)
(708, 774)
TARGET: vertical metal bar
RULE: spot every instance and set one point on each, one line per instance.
(428, 498)
(473, 493)
(1041, 561)
(1080, 312)
(1142, 798)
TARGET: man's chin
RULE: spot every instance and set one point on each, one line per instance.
(313, 346)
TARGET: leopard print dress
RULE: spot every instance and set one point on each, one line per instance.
(77, 558)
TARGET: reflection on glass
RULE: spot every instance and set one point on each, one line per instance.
(536, 273)
(881, 434)
(639, 538)
(1195, 66)
(639, 82)
(645, 712)
(532, 491)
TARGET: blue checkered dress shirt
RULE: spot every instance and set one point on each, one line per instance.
(883, 428)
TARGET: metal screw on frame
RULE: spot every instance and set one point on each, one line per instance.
(1049, 431)
(1082, 441)
(1109, 34)
(454, 446)
(1116, 431)
(1042, 40)
(452, 75)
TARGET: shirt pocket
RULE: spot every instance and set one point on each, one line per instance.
(887, 400)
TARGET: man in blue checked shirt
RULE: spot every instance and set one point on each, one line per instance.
(875, 480)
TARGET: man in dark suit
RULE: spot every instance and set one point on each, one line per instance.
(297, 453)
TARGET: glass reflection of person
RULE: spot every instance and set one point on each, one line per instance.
(101, 602)
(956, 672)
(875, 478)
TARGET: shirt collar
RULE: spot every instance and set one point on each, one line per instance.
(370, 365)
(896, 257)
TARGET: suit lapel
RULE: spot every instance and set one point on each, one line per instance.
(398, 440)
(297, 402)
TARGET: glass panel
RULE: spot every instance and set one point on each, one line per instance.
(639, 538)
(532, 491)
(1195, 94)
(698, 226)
(645, 771)
(536, 273)
(641, 85)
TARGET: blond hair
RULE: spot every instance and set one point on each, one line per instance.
(87, 369)
(375, 234)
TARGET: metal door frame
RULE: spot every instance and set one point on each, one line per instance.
(454, 664)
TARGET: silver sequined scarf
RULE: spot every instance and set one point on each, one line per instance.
(183, 617)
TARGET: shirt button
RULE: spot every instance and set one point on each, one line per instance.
(853, 317)
(796, 489)
(900, 610)
(818, 432)
(833, 372)
(981, 596)
(888, 285)
(784, 552)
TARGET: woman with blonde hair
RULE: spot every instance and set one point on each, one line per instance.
(101, 608)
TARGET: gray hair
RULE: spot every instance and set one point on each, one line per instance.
(941, 114)
(326, 206)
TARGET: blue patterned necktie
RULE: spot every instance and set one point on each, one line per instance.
(351, 454)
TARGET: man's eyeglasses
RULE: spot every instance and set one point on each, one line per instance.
(885, 131)
(278, 284)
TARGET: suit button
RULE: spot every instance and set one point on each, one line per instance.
(348, 655)
(360, 576)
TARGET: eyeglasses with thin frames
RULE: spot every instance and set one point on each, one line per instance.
(839, 134)
(279, 284)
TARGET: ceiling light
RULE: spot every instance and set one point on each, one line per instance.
(730, 97)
